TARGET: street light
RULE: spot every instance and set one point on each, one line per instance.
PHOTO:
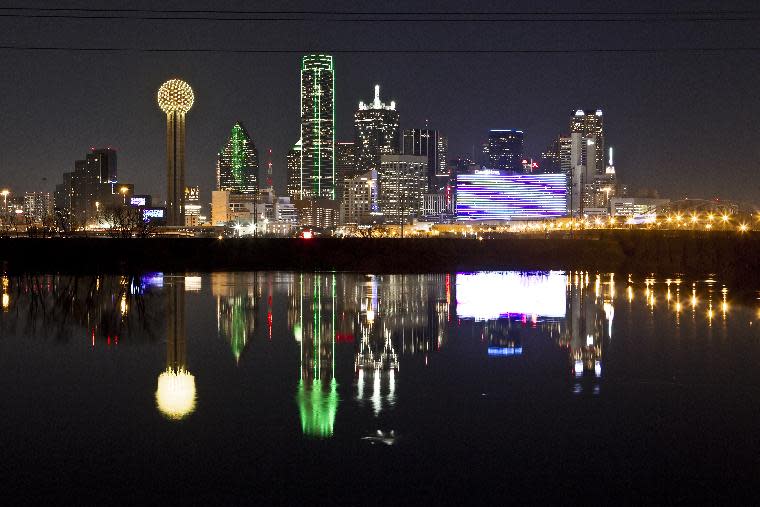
(5, 193)
(124, 191)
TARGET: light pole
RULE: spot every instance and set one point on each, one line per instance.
(124, 191)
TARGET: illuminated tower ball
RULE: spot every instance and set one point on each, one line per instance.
(175, 98)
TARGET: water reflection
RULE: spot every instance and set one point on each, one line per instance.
(236, 308)
(381, 328)
(175, 394)
(312, 307)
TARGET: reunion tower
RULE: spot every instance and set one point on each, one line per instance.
(175, 98)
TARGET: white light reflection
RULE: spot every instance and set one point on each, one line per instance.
(489, 295)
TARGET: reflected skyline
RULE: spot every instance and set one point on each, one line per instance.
(376, 326)
(270, 372)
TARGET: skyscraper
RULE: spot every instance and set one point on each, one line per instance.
(431, 144)
(175, 98)
(317, 170)
(403, 179)
(89, 189)
(345, 166)
(192, 206)
(237, 164)
(590, 125)
(376, 130)
(102, 162)
(293, 163)
(360, 198)
(38, 207)
(505, 150)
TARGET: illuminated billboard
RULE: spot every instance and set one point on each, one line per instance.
(489, 195)
(154, 215)
(137, 201)
(489, 295)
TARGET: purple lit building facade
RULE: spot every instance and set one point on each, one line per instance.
(489, 196)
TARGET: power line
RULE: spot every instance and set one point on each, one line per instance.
(691, 16)
(714, 12)
(386, 19)
(114, 49)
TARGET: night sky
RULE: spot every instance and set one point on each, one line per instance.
(683, 123)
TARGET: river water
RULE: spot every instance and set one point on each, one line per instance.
(360, 388)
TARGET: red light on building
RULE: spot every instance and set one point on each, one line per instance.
(344, 338)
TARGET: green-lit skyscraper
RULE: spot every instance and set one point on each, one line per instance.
(317, 178)
(237, 164)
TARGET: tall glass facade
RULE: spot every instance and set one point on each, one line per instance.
(317, 178)
(237, 165)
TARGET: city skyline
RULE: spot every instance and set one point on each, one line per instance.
(655, 129)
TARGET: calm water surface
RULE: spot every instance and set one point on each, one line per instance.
(225, 387)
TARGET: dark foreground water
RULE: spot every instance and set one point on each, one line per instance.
(353, 388)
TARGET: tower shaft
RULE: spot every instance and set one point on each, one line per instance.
(175, 168)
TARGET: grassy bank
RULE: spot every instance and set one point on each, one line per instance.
(729, 255)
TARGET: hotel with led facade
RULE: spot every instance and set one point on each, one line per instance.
(317, 170)
(489, 196)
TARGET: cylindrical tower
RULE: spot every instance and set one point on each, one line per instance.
(175, 98)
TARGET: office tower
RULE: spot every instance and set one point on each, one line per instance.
(403, 180)
(590, 125)
(103, 164)
(317, 212)
(192, 206)
(345, 166)
(431, 144)
(90, 189)
(556, 157)
(317, 170)
(505, 150)
(360, 204)
(38, 207)
(237, 164)
(293, 164)
(376, 131)
(175, 98)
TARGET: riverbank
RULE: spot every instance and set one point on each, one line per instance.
(727, 254)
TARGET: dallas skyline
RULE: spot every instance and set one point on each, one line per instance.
(680, 122)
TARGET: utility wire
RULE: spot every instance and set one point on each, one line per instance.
(700, 16)
(112, 49)
(386, 19)
(713, 12)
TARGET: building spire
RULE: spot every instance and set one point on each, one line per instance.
(377, 103)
